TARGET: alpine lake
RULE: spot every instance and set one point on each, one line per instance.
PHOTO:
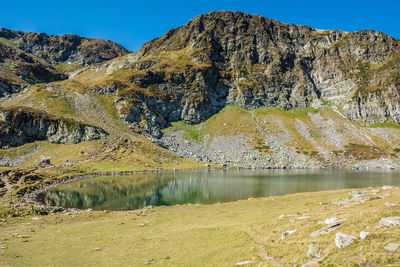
(129, 192)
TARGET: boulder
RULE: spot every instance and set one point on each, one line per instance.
(392, 247)
(390, 221)
(329, 228)
(342, 240)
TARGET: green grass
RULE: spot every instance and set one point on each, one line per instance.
(385, 125)
(67, 68)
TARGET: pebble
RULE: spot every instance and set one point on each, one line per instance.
(36, 218)
(97, 249)
(147, 261)
(392, 247)
(243, 263)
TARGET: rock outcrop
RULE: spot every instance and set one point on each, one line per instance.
(18, 69)
(20, 126)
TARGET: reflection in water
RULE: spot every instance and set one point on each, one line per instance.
(136, 191)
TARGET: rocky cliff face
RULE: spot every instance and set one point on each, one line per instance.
(221, 58)
(20, 126)
(67, 48)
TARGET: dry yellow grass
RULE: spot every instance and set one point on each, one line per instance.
(205, 235)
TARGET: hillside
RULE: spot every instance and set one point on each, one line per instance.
(226, 88)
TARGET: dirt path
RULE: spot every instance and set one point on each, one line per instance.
(261, 252)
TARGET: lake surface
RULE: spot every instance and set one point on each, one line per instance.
(171, 188)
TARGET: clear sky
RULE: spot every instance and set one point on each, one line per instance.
(133, 22)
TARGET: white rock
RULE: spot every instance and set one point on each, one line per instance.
(392, 247)
(281, 216)
(363, 235)
(389, 204)
(36, 218)
(387, 187)
(303, 218)
(330, 220)
(289, 232)
(342, 240)
(243, 263)
(390, 221)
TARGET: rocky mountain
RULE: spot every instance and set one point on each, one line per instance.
(66, 48)
(226, 87)
(221, 58)
(30, 58)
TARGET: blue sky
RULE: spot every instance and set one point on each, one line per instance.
(133, 22)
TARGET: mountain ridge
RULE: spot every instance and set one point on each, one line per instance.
(184, 82)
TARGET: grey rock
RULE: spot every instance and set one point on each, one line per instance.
(342, 240)
(287, 233)
(57, 210)
(329, 228)
(392, 247)
(389, 204)
(387, 187)
(390, 221)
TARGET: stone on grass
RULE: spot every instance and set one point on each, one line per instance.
(390, 221)
(389, 204)
(96, 249)
(342, 240)
(387, 187)
(329, 228)
(303, 217)
(289, 232)
(330, 220)
(36, 218)
(243, 263)
(313, 250)
(363, 235)
(392, 247)
(57, 209)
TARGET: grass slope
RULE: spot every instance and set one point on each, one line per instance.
(205, 235)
